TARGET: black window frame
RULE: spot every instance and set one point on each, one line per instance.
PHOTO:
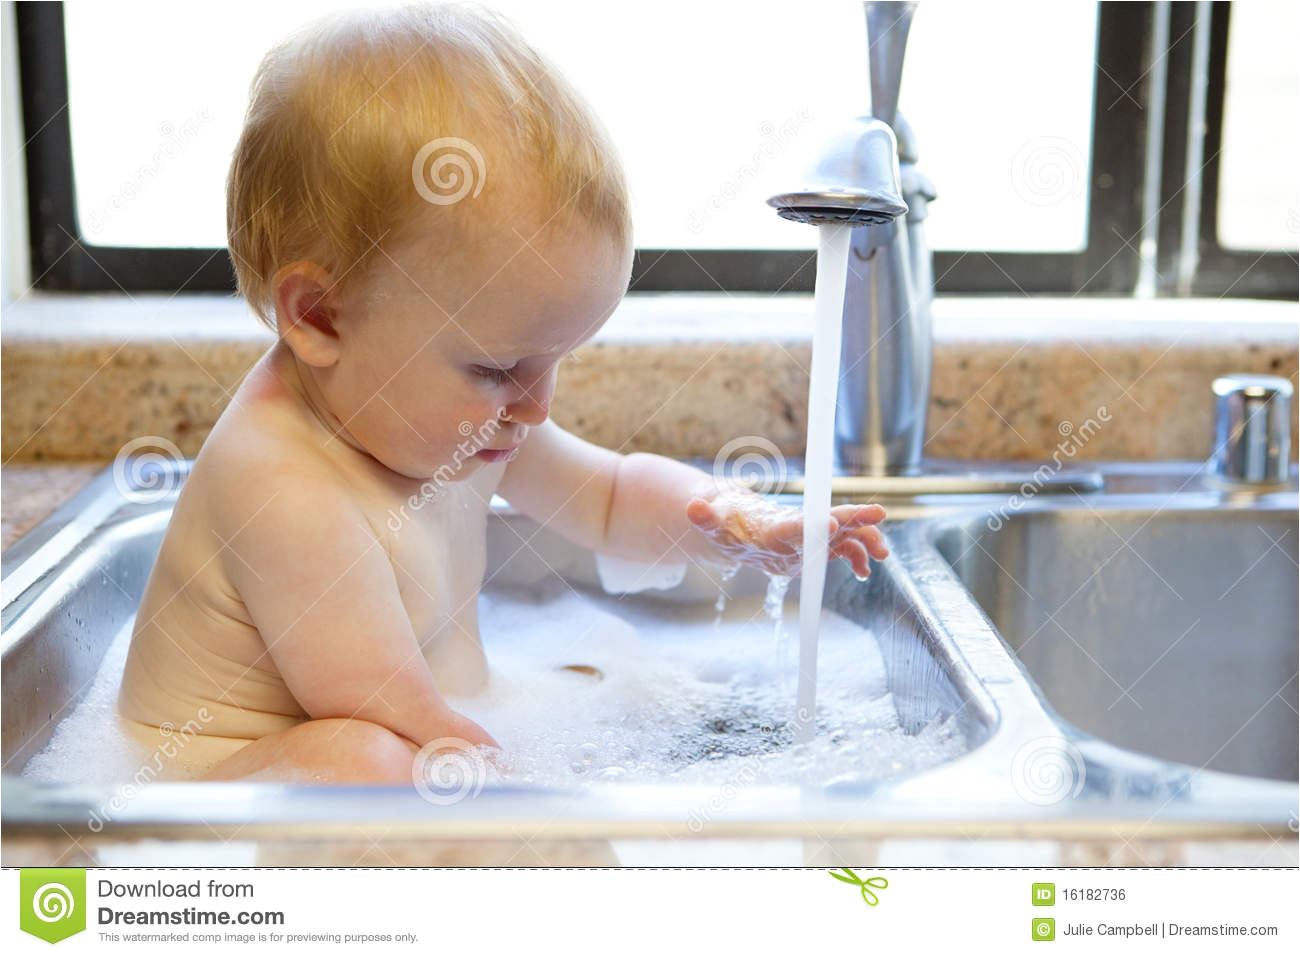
(62, 260)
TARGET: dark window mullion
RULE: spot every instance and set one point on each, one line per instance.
(51, 200)
(1110, 262)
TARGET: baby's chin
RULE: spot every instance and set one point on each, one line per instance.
(445, 469)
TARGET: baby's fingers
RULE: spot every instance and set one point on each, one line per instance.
(855, 553)
(702, 515)
(872, 538)
(855, 516)
(789, 531)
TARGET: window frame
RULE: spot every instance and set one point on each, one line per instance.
(62, 260)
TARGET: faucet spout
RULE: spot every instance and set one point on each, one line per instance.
(854, 180)
(866, 176)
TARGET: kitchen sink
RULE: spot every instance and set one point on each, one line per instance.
(1168, 630)
(1115, 662)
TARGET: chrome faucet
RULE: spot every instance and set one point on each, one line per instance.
(1252, 430)
(866, 176)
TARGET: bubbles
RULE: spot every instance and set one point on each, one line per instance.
(583, 758)
(96, 745)
(681, 703)
(677, 703)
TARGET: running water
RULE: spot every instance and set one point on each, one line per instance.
(828, 311)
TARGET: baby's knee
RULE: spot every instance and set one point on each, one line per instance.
(324, 751)
(364, 752)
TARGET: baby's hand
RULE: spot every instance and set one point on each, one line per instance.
(752, 530)
(457, 727)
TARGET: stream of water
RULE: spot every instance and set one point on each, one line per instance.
(828, 311)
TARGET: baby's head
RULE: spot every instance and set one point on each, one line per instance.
(431, 218)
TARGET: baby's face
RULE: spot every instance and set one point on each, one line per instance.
(444, 371)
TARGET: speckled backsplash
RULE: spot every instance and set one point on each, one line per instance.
(682, 375)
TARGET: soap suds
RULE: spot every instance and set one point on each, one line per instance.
(590, 687)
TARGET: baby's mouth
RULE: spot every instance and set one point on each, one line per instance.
(496, 455)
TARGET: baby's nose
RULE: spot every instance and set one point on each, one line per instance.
(530, 410)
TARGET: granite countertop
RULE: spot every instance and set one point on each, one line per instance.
(29, 493)
(684, 374)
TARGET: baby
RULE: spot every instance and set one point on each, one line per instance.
(431, 219)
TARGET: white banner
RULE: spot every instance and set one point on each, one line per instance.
(662, 911)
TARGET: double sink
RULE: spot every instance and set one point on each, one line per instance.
(1119, 657)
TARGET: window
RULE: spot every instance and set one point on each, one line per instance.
(1031, 128)
(706, 142)
(1259, 176)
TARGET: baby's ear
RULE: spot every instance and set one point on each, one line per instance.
(305, 313)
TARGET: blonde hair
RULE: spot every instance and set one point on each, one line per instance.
(339, 112)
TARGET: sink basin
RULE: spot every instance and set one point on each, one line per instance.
(1097, 691)
(1169, 631)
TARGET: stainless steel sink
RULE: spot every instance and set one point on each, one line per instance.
(981, 619)
(1164, 629)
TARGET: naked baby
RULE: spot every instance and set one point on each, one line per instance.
(431, 220)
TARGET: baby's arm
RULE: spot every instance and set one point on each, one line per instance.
(649, 508)
(321, 592)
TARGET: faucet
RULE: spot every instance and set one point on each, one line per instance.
(1252, 431)
(866, 176)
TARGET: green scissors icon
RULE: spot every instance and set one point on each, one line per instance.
(868, 894)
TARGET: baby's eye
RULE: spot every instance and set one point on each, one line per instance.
(493, 374)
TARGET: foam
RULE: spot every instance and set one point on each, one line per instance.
(688, 695)
(95, 744)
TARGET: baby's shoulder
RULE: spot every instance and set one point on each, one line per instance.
(260, 463)
(269, 474)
